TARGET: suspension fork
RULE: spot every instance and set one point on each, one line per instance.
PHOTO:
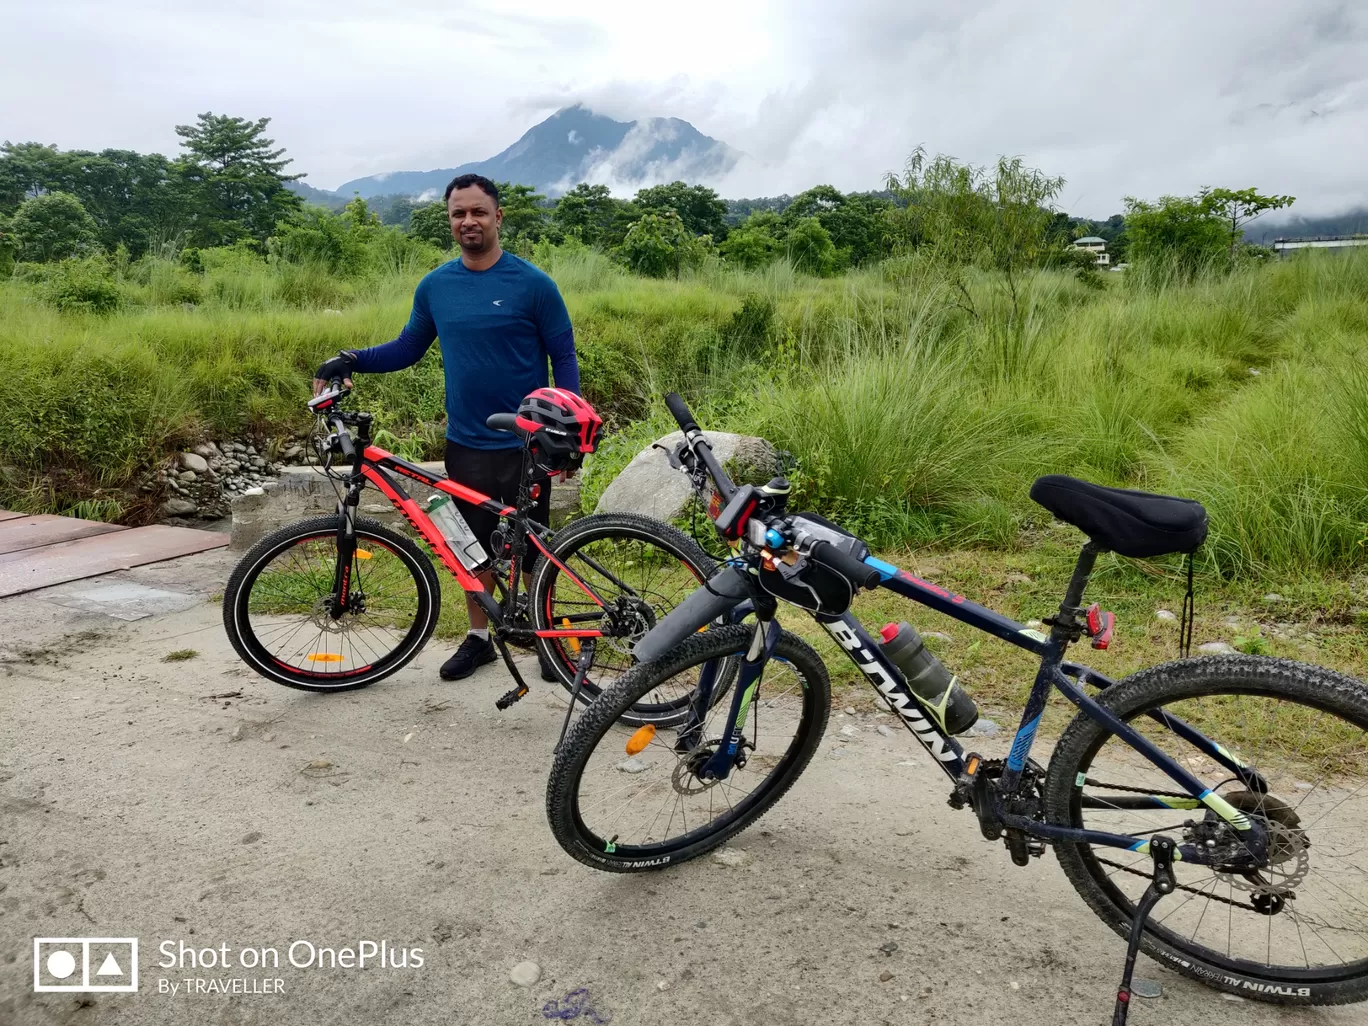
(763, 642)
(346, 548)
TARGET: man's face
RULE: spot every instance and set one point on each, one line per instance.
(475, 219)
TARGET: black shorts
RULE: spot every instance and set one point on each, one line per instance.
(497, 473)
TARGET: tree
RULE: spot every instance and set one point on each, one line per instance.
(53, 226)
(1180, 231)
(857, 223)
(659, 244)
(750, 245)
(524, 216)
(588, 213)
(810, 248)
(697, 206)
(431, 224)
(1237, 207)
(237, 178)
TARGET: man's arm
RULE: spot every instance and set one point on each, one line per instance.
(558, 337)
(409, 347)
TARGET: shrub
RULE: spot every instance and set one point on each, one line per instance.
(82, 286)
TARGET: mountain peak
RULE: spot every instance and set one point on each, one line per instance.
(574, 145)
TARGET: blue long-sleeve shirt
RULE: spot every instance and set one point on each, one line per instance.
(498, 328)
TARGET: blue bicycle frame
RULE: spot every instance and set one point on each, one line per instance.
(1066, 677)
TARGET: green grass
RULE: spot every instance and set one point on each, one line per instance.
(180, 655)
(911, 419)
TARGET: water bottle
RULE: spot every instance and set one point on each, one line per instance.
(456, 531)
(928, 678)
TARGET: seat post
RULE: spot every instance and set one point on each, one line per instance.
(1073, 597)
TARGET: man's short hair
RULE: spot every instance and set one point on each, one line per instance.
(466, 181)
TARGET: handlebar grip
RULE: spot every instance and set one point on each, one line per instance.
(682, 416)
(861, 574)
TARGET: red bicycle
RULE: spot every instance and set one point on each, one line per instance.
(340, 601)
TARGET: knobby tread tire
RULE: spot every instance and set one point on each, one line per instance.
(1192, 678)
(598, 719)
(235, 597)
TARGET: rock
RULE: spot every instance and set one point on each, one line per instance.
(889, 947)
(193, 461)
(178, 508)
(1146, 989)
(850, 710)
(252, 838)
(292, 452)
(850, 730)
(885, 976)
(1165, 614)
(1272, 598)
(251, 450)
(236, 735)
(207, 449)
(662, 985)
(650, 486)
(885, 730)
(732, 858)
(1014, 985)
(982, 728)
(525, 974)
(1215, 648)
(1017, 579)
(187, 477)
(633, 765)
(1254, 372)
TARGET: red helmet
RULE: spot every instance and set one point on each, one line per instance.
(563, 426)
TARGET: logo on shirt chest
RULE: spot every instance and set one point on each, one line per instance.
(498, 302)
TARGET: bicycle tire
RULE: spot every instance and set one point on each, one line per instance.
(1260, 677)
(619, 527)
(237, 597)
(562, 788)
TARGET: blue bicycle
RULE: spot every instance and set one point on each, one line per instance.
(1235, 785)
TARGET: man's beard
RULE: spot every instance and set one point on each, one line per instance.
(482, 243)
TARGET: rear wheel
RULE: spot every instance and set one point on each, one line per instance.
(1296, 930)
(625, 572)
(276, 606)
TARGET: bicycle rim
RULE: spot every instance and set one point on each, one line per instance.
(286, 617)
(1302, 919)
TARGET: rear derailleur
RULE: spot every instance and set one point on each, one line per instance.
(978, 787)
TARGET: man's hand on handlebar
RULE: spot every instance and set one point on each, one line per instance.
(340, 366)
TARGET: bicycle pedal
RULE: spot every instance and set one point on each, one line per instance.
(512, 696)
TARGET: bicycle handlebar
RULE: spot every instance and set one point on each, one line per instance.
(696, 441)
(860, 574)
(682, 416)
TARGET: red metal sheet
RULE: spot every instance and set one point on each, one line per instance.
(32, 532)
(101, 554)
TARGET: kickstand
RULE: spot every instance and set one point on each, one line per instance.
(1162, 882)
(586, 659)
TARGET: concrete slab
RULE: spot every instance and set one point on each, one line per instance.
(90, 557)
(21, 532)
(123, 600)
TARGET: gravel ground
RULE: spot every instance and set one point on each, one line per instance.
(193, 804)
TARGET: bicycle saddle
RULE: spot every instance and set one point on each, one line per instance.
(1129, 523)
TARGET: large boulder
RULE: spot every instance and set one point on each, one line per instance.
(650, 486)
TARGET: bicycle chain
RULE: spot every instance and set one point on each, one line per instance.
(1179, 886)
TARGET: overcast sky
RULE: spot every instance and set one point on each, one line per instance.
(1139, 98)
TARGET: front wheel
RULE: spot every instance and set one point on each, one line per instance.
(626, 800)
(1294, 931)
(276, 607)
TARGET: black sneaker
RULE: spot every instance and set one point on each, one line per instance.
(473, 653)
(547, 671)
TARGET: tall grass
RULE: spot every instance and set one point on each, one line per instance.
(916, 414)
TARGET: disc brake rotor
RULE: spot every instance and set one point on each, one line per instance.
(1287, 861)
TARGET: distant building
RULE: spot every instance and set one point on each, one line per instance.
(1283, 247)
(1095, 245)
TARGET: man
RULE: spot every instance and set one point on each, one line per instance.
(499, 320)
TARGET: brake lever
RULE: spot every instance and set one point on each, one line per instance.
(671, 454)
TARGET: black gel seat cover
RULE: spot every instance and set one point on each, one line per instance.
(1135, 524)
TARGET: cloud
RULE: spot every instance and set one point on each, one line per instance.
(1135, 99)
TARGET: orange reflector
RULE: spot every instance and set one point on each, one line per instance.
(323, 657)
(971, 767)
(637, 742)
(362, 554)
(572, 645)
